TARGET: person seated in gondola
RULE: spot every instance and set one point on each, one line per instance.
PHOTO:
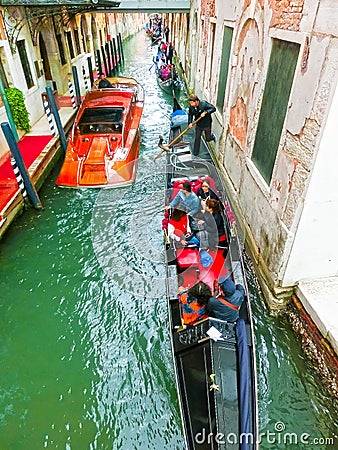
(205, 192)
(179, 229)
(187, 200)
(104, 83)
(164, 73)
(226, 304)
(193, 302)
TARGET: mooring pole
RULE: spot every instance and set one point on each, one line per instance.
(90, 70)
(112, 56)
(108, 59)
(77, 86)
(57, 119)
(116, 56)
(104, 61)
(30, 188)
(99, 63)
(121, 47)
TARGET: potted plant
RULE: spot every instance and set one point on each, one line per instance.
(18, 108)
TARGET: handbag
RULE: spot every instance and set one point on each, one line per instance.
(206, 259)
(203, 202)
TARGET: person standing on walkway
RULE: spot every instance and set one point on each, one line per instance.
(201, 108)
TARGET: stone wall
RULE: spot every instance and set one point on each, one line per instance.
(272, 211)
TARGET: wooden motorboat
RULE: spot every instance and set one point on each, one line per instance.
(104, 145)
(214, 360)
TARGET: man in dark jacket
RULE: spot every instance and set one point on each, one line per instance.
(104, 83)
(200, 108)
(228, 302)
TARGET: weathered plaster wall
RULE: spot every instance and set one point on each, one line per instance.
(273, 213)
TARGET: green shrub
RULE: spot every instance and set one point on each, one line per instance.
(18, 108)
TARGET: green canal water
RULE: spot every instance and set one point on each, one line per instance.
(84, 344)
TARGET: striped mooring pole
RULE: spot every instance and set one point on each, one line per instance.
(49, 117)
(13, 146)
(19, 179)
(98, 63)
(71, 93)
(85, 79)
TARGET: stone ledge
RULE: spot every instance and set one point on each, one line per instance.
(320, 300)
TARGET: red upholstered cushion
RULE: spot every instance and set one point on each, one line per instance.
(195, 185)
(222, 238)
(187, 257)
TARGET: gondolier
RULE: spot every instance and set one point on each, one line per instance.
(201, 108)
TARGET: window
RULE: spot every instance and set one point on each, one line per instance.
(25, 63)
(282, 66)
(61, 49)
(77, 41)
(70, 44)
(211, 53)
(224, 68)
(3, 77)
(101, 120)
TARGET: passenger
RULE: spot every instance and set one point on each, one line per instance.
(178, 226)
(179, 229)
(228, 302)
(164, 73)
(205, 192)
(194, 301)
(213, 207)
(202, 109)
(104, 83)
(187, 200)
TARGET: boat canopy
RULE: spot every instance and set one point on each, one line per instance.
(101, 120)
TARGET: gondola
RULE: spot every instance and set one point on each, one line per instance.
(172, 85)
(214, 360)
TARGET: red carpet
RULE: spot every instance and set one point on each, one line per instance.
(30, 147)
(64, 101)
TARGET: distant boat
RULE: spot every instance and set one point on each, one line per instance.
(172, 84)
(214, 360)
(104, 145)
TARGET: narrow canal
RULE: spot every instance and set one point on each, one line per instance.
(85, 352)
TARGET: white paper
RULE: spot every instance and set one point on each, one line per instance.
(214, 334)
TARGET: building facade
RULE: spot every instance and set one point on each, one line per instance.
(39, 47)
(271, 70)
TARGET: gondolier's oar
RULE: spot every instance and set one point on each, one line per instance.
(167, 148)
